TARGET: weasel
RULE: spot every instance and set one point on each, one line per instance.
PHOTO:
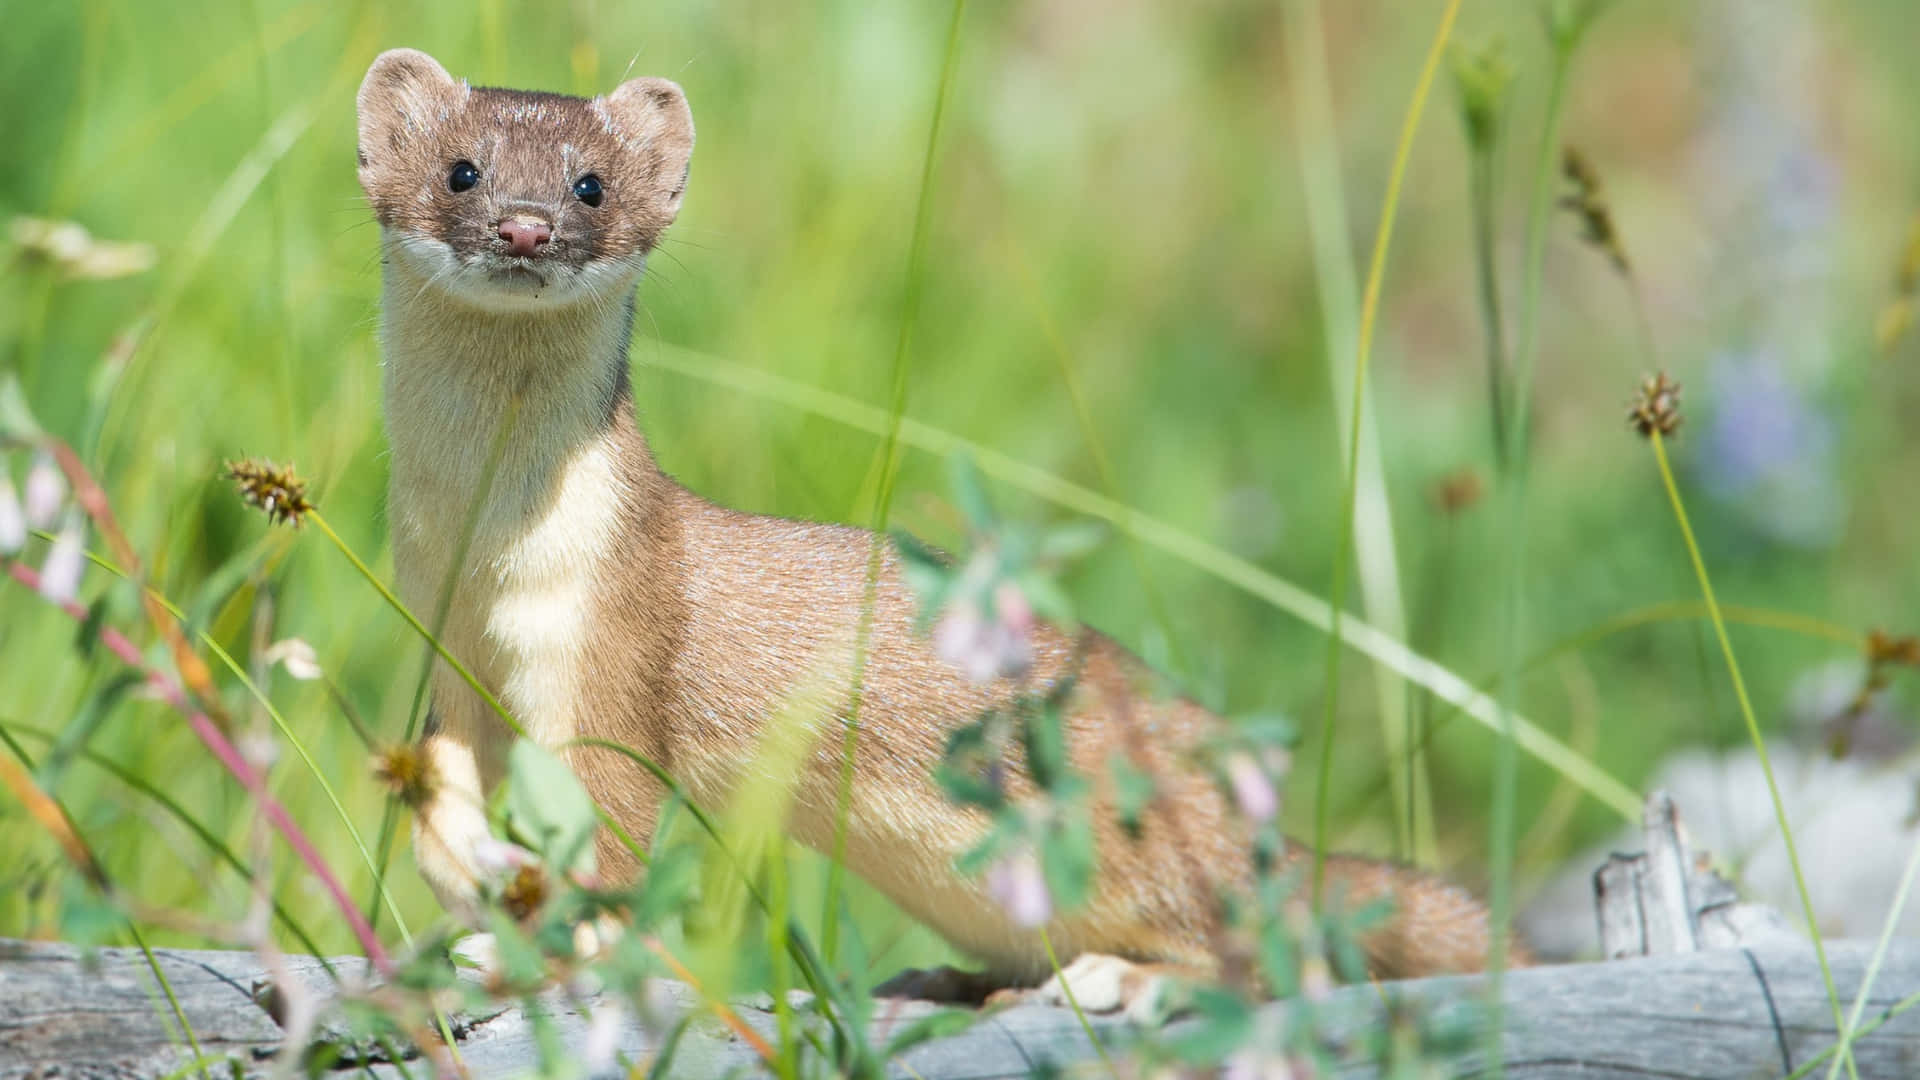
(601, 598)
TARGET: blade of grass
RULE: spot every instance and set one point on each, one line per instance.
(1887, 929)
(1753, 730)
(1334, 273)
(1283, 595)
(889, 467)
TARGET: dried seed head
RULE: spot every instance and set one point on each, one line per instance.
(407, 773)
(1657, 408)
(1885, 650)
(1458, 491)
(525, 892)
(273, 489)
(1589, 203)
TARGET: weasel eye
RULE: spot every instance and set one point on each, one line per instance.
(587, 189)
(463, 177)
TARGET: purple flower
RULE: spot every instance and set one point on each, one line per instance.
(1769, 450)
(1253, 789)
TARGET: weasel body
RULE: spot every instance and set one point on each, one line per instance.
(600, 598)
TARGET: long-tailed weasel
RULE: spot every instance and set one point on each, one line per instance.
(601, 598)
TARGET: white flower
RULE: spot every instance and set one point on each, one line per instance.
(604, 1021)
(1016, 883)
(46, 491)
(296, 656)
(60, 574)
(1252, 788)
(13, 516)
(259, 749)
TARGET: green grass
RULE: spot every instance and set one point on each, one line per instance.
(1118, 306)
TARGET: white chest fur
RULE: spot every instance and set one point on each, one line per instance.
(528, 394)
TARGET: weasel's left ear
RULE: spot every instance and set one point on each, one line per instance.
(651, 117)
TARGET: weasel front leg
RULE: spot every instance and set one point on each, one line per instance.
(451, 825)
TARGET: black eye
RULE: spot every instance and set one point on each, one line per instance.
(463, 177)
(587, 189)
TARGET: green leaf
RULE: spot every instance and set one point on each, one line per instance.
(663, 1057)
(936, 1025)
(519, 962)
(86, 917)
(79, 731)
(1221, 1024)
(1065, 543)
(1045, 741)
(1068, 860)
(1132, 790)
(549, 809)
(970, 492)
(969, 771)
(1047, 599)
(16, 418)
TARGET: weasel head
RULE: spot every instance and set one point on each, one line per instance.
(511, 200)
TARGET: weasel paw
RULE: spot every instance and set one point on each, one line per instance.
(1100, 983)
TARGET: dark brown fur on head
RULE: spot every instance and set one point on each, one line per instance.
(529, 150)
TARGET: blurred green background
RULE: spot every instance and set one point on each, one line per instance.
(1118, 195)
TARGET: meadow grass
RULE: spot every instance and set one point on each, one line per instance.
(1098, 278)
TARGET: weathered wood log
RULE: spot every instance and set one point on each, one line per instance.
(1733, 1013)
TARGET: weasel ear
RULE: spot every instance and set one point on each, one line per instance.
(651, 117)
(405, 91)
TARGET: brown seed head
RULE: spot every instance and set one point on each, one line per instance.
(1883, 649)
(407, 773)
(1458, 491)
(273, 489)
(525, 892)
(1657, 408)
(1589, 203)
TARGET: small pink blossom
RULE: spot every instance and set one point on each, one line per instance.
(1253, 789)
(1016, 883)
(46, 491)
(985, 649)
(60, 574)
(496, 859)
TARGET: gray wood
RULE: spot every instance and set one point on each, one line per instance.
(1737, 1013)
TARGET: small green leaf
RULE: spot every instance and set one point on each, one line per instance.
(970, 492)
(1067, 860)
(936, 1025)
(16, 418)
(548, 807)
(1221, 1024)
(1065, 543)
(970, 772)
(1045, 743)
(1132, 790)
(1047, 599)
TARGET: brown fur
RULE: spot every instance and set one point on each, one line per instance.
(601, 598)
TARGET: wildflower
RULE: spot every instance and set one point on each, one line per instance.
(1016, 883)
(275, 490)
(13, 516)
(76, 253)
(602, 1041)
(987, 649)
(1253, 790)
(258, 749)
(296, 656)
(60, 574)
(496, 859)
(46, 491)
(1657, 408)
(407, 773)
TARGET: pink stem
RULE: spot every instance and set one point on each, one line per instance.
(249, 778)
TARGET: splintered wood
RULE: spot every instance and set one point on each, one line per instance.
(1669, 899)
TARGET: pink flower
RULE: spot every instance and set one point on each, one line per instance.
(985, 649)
(496, 859)
(1253, 789)
(1016, 883)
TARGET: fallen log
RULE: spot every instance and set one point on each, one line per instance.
(1728, 1013)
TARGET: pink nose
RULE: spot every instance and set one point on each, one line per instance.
(525, 235)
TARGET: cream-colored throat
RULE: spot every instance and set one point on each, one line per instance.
(504, 423)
